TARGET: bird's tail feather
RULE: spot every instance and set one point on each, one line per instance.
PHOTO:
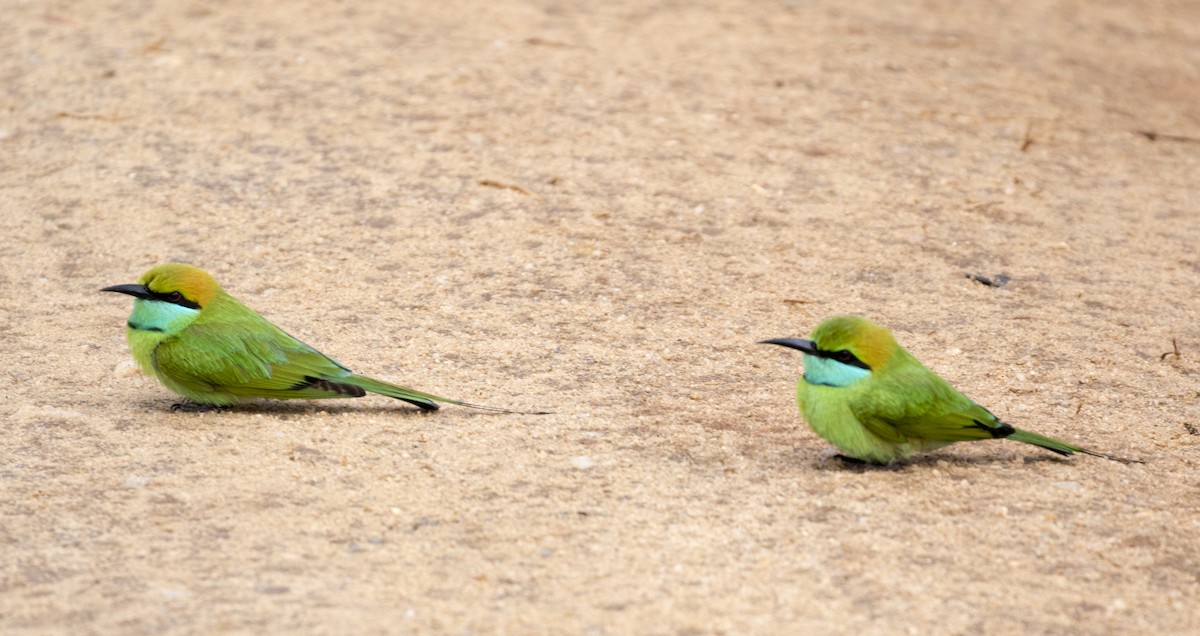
(422, 400)
(1063, 448)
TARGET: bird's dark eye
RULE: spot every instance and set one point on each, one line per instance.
(175, 296)
(845, 356)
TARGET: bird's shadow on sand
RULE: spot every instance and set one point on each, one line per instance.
(299, 408)
(836, 463)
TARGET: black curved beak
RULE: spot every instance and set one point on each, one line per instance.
(807, 346)
(137, 291)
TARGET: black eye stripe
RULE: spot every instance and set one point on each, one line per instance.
(175, 298)
(845, 356)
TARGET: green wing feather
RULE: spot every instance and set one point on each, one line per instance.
(919, 406)
(230, 353)
(942, 415)
(241, 354)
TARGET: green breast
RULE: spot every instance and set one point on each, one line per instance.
(827, 411)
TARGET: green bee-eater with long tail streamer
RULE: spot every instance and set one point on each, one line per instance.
(205, 345)
(876, 403)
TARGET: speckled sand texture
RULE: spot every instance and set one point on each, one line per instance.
(598, 208)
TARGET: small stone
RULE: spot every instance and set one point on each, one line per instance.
(126, 368)
(582, 462)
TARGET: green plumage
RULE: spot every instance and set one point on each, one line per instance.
(205, 345)
(231, 353)
(875, 402)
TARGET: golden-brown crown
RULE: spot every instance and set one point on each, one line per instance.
(869, 342)
(194, 283)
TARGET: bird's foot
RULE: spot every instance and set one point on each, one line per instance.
(193, 407)
(854, 463)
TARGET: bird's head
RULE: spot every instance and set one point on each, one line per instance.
(169, 297)
(843, 350)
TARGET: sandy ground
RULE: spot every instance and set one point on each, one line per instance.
(598, 208)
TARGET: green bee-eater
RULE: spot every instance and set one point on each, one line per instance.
(875, 402)
(205, 345)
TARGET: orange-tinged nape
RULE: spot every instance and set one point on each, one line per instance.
(194, 283)
(869, 342)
